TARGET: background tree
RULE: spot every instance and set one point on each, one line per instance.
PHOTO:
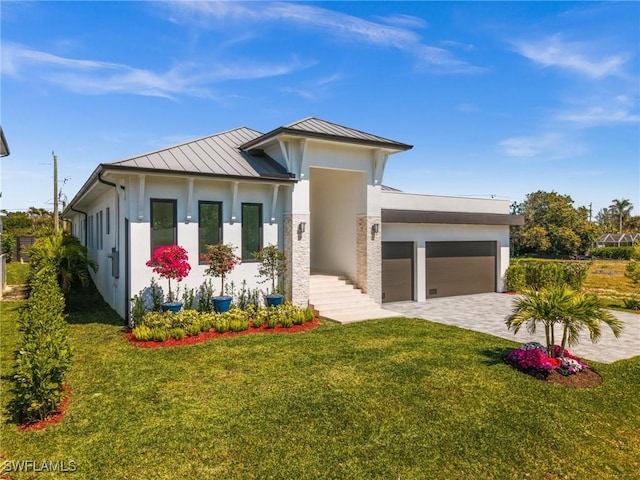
(553, 226)
(621, 209)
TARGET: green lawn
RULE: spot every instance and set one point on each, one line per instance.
(17, 273)
(380, 399)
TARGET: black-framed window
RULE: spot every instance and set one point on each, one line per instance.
(164, 223)
(209, 225)
(251, 230)
(108, 221)
(99, 229)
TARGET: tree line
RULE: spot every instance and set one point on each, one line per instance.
(554, 227)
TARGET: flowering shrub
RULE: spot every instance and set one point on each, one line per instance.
(533, 358)
(221, 260)
(170, 262)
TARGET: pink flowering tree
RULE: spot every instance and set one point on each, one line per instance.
(170, 262)
(222, 260)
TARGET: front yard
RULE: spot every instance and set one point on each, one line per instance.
(379, 399)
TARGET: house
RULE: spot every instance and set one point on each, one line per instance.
(314, 188)
(618, 239)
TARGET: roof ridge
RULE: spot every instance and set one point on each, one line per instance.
(193, 140)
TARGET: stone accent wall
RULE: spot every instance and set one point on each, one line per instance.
(297, 248)
(369, 257)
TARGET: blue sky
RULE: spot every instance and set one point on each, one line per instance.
(498, 99)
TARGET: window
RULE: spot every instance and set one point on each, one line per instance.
(251, 230)
(209, 225)
(108, 221)
(99, 228)
(164, 223)
(90, 231)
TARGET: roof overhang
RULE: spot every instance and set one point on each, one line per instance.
(454, 218)
(4, 146)
(294, 132)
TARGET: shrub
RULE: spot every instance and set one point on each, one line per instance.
(221, 324)
(177, 333)
(535, 274)
(631, 303)
(632, 271)
(45, 353)
(184, 318)
(188, 297)
(170, 262)
(8, 245)
(309, 315)
(160, 334)
(205, 294)
(142, 333)
(194, 330)
(237, 325)
(156, 295)
(206, 321)
(257, 321)
(138, 309)
(613, 253)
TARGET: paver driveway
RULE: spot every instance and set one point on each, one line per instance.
(486, 313)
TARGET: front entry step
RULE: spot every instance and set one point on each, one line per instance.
(334, 298)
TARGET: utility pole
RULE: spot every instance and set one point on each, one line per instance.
(590, 211)
(56, 221)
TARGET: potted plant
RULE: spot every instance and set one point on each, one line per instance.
(170, 262)
(222, 261)
(272, 266)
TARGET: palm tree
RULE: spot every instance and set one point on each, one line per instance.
(66, 255)
(621, 209)
(563, 306)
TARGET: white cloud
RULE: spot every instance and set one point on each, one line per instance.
(96, 77)
(579, 57)
(548, 146)
(619, 110)
(348, 27)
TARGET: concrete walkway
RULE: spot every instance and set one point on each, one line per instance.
(487, 312)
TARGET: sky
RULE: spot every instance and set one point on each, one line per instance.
(499, 99)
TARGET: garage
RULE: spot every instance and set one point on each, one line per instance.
(460, 268)
(397, 271)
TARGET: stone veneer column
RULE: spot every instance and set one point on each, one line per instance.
(369, 256)
(297, 248)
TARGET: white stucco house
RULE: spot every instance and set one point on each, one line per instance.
(314, 188)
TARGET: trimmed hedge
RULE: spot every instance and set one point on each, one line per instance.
(535, 274)
(613, 253)
(45, 353)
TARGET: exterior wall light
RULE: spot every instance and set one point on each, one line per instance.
(375, 228)
(302, 226)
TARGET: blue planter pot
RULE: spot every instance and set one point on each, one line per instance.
(274, 299)
(171, 307)
(221, 304)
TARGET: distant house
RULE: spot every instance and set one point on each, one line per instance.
(617, 239)
(314, 189)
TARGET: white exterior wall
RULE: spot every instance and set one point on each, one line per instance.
(187, 231)
(421, 233)
(437, 203)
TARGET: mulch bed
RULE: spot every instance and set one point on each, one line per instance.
(52, 419)
(583, 379)
(206, 336)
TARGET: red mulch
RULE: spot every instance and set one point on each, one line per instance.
(203, 337)
(52, 419)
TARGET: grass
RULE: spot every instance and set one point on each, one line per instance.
(17, 273)
(606, 279)
(380, 399)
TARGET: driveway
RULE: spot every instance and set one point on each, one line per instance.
(486, 313)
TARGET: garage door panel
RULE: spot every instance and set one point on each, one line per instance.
(397, 271)
(396, 279)
(448, 276)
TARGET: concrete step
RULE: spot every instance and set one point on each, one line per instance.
(336, 298)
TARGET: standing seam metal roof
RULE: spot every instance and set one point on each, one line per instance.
(218, 154)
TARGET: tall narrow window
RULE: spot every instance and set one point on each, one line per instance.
(251, 230)
(99, 228)
(108, 221)
(164, 223)
(209, 225)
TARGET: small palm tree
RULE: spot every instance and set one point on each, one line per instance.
(65, 254)
(563, 306)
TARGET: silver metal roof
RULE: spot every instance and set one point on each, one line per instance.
(318, 128)
(218, 155)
